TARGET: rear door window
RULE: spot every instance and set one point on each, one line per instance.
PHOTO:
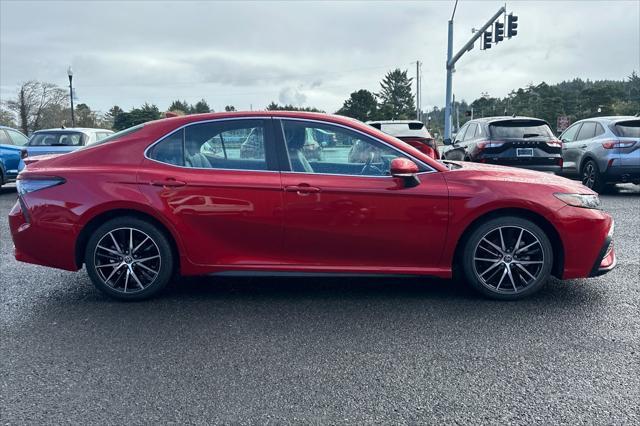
(520, 129)
(587, 131)
(628, 129)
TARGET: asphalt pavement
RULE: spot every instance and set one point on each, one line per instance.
(357, 350)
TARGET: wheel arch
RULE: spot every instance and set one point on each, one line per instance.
(92, 224)
(549, 229)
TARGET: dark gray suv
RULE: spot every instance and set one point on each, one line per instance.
(509, 141)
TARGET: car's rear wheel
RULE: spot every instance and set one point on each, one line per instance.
(507, 258)
(591, 177)
(129, 259)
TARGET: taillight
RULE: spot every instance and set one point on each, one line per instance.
(489, 144)
(618, 144)
(25, 185)
(555, 143)
(24, 154)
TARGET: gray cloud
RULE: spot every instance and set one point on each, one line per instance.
(316, 53)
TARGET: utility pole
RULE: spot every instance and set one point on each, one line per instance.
(452, 59)
(418, 90)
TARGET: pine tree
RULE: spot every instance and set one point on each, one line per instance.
(396, 98)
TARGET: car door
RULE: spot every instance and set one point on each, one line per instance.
(568, 137)
(9, 156)
(224, 203)
(456, 151)
(468, 140)
(581, 144)
(347, 212)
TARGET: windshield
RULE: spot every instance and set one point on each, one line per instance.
(57, 139)
(520, 129)
(628, 129)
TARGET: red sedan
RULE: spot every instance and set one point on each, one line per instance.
(175, 196)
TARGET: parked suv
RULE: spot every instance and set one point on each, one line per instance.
(602, 151)
(11, 153)
(509, 141)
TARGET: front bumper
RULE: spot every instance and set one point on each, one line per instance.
(606, 259)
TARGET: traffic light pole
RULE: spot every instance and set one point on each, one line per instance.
(451, 62)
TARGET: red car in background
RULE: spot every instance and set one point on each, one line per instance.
(174, 196)
(413, 132)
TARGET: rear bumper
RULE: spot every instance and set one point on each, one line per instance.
(42, 243)
(623, 174)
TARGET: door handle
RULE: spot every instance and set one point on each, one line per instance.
(302, 189)
(583, 146)
(168, 183)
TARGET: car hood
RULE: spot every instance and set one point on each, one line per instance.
(490, 172)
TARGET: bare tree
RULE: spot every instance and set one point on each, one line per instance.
(6, 117)
(35, 99)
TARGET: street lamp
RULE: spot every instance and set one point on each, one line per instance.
(70, 74)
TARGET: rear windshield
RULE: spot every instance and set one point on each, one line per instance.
(520, 129)
(628, 129)
(403, 130)
(57, 139)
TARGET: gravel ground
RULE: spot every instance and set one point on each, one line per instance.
(256, 350)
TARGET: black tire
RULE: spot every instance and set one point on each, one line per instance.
(537, 258)
(591, 177)
(110, 267)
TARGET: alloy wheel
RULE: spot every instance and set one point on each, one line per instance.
(589, 175)
(508, 259)
(127, 260)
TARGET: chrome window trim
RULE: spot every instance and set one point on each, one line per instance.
(271, 117)
(429, 168)
(213, 120)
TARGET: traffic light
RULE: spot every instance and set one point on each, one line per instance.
(498, 32)
(512, 25)
(486, 40)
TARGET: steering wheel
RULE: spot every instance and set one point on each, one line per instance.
(368, 167)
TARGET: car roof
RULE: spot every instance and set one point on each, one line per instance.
(611, 118)
(393, 121)
(504, 118)
(73, 129)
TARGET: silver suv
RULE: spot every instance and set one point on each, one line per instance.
(602, 151)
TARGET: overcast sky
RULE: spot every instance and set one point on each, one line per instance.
(305, 53)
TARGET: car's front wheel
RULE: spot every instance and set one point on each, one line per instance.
(507, 258)
(129, 259)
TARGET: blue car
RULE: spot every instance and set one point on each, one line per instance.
(62, 141)
(12, 144)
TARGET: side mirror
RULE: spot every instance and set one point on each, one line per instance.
(405, 169)
(447, 141)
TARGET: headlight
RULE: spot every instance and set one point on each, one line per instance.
(26, 185)
(587, 201)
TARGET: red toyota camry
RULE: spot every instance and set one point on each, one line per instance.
(176, 196)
